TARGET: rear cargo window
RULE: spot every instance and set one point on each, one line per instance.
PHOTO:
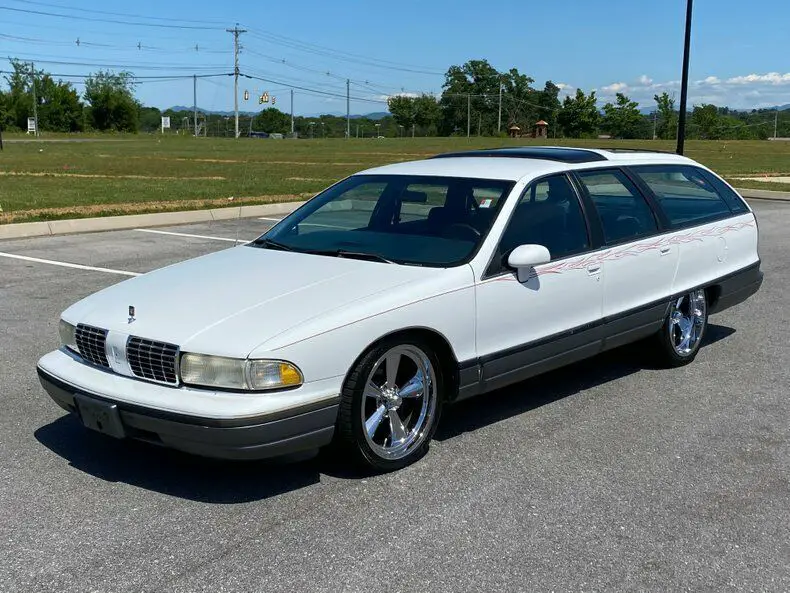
(686, 196)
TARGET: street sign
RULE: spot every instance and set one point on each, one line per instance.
(31, 125)
(165, 123)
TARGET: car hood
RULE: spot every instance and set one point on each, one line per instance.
(229, 302)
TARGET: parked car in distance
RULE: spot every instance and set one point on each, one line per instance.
(405, 288)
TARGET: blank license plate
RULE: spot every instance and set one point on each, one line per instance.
(100, 416)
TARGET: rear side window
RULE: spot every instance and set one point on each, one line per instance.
(734, 201)
(686, 196)
(624, 213)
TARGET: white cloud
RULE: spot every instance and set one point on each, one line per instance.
(712, 80)
(616, 87)
(774, 78)
(565, 87)
(645, 80)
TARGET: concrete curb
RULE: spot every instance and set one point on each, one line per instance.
(131, 221)
(764, 194)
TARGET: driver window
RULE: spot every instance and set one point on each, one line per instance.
(549, 214)
(351, 210)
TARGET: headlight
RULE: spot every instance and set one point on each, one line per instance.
(234, 373)
(68, 335)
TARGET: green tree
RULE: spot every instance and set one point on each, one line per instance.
(548, 101)
(427, 113)
(622, 119)
(150, 119)
(19, 99)
(519, 100)
(579, 116)
(706, 122)
(472, 87)
(403, 109)
(272, 121)
(59, 106)
(667, 124)
(112, 105)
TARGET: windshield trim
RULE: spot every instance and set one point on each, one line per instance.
(508, 186)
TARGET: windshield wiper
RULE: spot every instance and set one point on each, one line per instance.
(352, 255)
(271, 244)
(362, 255)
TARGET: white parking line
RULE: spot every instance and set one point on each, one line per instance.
(193, 236)
(272, 219)
(68, 265)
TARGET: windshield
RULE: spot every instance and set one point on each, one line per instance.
(408, 219)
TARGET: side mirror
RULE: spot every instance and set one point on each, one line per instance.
(526, 257)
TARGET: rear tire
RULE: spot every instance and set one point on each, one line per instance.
(390, 405)
(678, 341)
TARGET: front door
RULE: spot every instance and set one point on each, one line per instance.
(550, 316)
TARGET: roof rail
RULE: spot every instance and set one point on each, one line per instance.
(546, 153)
(650, 150)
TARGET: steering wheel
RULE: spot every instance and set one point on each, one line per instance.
(462, 232)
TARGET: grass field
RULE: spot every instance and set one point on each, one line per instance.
(42, 180)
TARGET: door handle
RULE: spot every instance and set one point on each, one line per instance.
(665, 250)
(594, 269)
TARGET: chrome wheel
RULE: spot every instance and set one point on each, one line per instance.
(686, 322)
(399, 402)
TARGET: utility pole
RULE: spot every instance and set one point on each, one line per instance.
(499, 120)
(35, 101)
(236, 32)
(292, 112)
(655, 115)
(194, 100)
(685, 80)
(468, 115)
(348, 108)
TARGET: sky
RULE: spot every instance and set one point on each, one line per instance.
(739, 55)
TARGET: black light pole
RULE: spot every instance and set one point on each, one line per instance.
(685, 81)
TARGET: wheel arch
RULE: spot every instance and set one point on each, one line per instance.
(440, 344)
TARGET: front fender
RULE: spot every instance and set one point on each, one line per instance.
(327, 347)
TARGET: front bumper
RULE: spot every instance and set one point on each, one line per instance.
(307, 427)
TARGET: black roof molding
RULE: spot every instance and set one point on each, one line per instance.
(545, 153)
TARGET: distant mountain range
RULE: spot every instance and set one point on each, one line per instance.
(375, 116)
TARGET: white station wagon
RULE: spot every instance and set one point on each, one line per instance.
(402, 289)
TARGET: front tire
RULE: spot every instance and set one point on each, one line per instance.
(390, 404)
(680, 337)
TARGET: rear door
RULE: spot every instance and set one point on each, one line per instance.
(640, 263)
(715, 232)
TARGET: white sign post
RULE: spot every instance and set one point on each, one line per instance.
(165, 123)
(31, 125)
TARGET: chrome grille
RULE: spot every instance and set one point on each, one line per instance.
(155, 361)
(91, 341)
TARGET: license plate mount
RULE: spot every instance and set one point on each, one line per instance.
(100, 416)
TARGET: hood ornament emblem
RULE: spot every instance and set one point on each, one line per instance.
(131, 314)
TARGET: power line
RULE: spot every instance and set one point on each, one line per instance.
(79, 42)
(309, 90)
(136, 78)
(112, 21)
(121, 14)
(338, 55)
(123, 65)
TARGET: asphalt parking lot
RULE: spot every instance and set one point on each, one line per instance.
(607, 476)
